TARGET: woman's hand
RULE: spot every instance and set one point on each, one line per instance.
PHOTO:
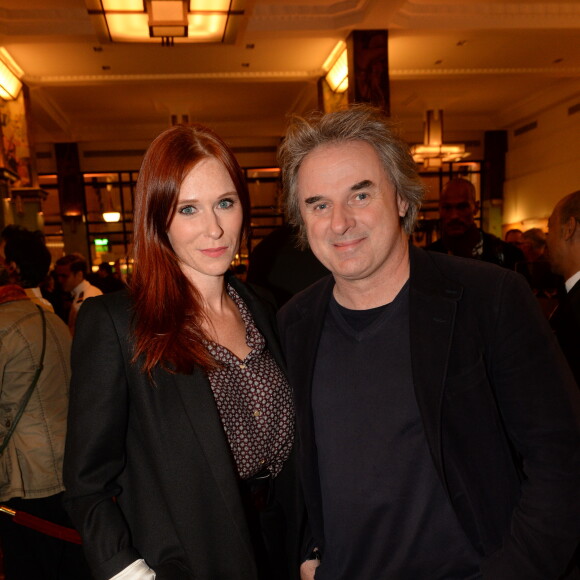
(308, 569)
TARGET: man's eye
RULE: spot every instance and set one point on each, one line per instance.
(187, 210)
(320, 206)
(360, 199)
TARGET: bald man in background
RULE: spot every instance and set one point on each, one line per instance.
(460, 235)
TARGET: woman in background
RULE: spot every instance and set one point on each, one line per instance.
(181, 420)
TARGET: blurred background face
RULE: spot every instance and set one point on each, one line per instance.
(514, 238)
(457, 210)
(67, 279)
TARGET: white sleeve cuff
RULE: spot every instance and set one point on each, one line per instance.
(138, 570)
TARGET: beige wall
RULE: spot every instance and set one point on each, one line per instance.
(542, 165)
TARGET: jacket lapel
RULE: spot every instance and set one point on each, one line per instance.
(433, 305)
(304, 335)
(201, 411)
(264, 318)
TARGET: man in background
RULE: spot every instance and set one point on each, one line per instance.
(513, 237)
(279, 264)
(106, 281)
(460, 235)
(533, 245)
(32, 431)
(26, 259)
(71, 273)
(564, 256)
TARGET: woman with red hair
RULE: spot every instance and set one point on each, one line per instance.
(181, 420)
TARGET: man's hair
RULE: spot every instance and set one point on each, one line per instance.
(358, 123)
(512, 231)
(29, 252)
(570, 207)
(76, 262)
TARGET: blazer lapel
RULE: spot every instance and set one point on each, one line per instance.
(264, 319)
(433, 305)
(304, 336)
(200, 407)
(302, 346)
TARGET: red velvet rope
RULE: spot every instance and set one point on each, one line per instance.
(46, 527)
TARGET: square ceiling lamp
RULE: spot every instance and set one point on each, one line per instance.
(10, 73)
(336, 66)
(168, 21)
(433, 152)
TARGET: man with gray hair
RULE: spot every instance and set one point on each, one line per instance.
(431, 444)
(564, 256)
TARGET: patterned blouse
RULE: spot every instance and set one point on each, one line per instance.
(254, 402)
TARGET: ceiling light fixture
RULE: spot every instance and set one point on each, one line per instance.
(112, 216)
(433, 152)
(10, 74)
(168, 21)
(336, 66)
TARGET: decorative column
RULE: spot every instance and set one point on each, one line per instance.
(71, 192)
(495, 145)
(368, 68)
(21, 198)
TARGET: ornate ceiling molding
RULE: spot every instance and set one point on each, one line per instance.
(554, 71)
(235, 76)
(478, 15)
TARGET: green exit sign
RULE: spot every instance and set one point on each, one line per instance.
(101, 242)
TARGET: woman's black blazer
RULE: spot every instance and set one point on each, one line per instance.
(148, 471)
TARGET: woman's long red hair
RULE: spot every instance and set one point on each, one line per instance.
(168, 311)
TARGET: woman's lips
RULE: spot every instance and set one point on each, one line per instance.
(214, 252)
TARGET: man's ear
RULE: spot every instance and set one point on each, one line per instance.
(13, 271)
(12, 268)
(569, 228)
(402, 206)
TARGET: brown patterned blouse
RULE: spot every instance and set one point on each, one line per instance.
(254, 402)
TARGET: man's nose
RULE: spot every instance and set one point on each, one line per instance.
(341, 219)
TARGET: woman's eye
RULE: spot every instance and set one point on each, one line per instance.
(225, 203)
(187, 210)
